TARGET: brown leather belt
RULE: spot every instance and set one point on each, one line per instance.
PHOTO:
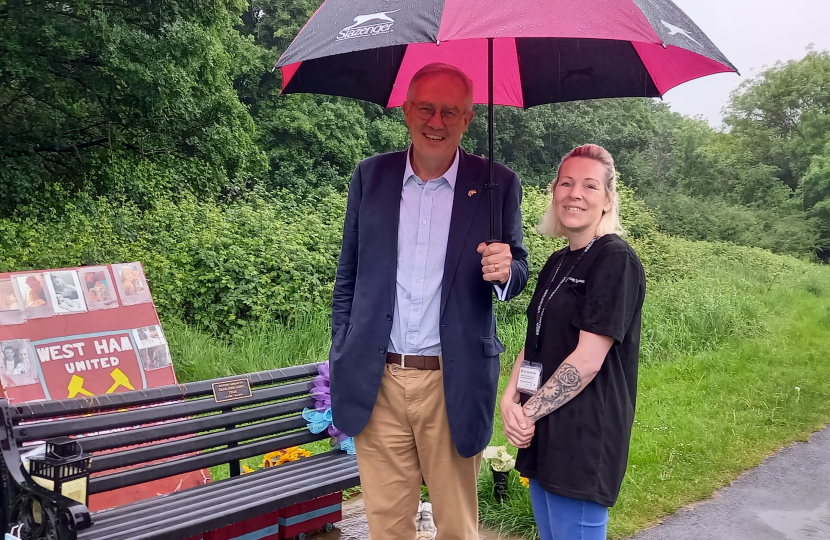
(411, 361)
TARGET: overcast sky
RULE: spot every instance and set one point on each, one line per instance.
(751, 33)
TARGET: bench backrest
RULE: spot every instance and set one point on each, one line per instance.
(145, 435)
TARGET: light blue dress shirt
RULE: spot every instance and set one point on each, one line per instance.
(423, 230)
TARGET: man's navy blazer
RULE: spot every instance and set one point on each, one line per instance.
(364, 295)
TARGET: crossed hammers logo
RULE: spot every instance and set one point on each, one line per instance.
(76, 384)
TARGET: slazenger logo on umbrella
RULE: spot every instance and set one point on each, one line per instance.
(677, 30)
(366, 25)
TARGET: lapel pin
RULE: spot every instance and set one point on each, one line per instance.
(471, 193)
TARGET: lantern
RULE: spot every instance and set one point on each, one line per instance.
(63, 469)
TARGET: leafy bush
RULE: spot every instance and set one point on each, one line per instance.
(715, 220)
(222, 267)
(216, 266)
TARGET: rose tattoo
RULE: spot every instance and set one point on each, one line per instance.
(560, 388)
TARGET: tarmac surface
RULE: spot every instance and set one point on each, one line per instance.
(353, 526)
(787, 497)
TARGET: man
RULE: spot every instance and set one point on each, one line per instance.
(415, 357)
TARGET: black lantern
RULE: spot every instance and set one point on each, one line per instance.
(63, 469)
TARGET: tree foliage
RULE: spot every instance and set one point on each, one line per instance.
(84, 83)
(139, 101)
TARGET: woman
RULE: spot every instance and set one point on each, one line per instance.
(584, 331)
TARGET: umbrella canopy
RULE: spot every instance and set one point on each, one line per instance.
(544, 51)
(517, 52)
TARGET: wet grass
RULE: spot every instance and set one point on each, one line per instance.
(705, 417)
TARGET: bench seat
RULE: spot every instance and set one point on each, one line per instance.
(146, 435)
(186, 513)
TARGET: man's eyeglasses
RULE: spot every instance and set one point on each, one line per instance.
(425, 112)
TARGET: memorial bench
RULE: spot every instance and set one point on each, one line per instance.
(145, 435)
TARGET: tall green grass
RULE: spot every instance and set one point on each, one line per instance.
(739, 370)
(199, 356)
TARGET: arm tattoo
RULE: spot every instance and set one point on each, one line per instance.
(565, 383)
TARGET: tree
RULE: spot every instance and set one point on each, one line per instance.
(85, 83)
(783, 114)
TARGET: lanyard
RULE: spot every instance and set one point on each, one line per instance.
(540, 310)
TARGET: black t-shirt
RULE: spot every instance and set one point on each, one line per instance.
(581, 449)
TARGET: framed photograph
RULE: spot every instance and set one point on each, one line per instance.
(35, 294)
(98, 288)
(11, 303)
(18, 367)
(131, 283)
(149, 336)
(65, 291)
(155, 357)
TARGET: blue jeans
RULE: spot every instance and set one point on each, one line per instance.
(563, 518)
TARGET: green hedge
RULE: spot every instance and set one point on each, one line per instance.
(221, 267)
(218, 267)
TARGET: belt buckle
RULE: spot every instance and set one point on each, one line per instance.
(403, 361)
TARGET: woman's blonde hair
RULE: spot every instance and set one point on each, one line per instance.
(550, 225)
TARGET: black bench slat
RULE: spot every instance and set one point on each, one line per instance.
(157, 471)
(204, 494)
(177, 447)
(115, 420)
(186, 517)
(82, 405)
(142, 436)
(188, 426)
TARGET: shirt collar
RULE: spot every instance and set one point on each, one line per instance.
(450, 176)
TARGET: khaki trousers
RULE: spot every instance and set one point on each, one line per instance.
(408, 435)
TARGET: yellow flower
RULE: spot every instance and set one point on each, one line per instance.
(284, 456)
(246, 469)
(525, 482)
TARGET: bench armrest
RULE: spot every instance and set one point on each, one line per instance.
(45, 513)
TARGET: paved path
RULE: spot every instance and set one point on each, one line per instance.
(786, 498)
(353, 526)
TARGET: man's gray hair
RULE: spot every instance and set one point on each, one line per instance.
(438, 68)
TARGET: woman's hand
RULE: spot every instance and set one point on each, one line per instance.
(517, 427)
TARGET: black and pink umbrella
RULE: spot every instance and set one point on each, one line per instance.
(517, 52)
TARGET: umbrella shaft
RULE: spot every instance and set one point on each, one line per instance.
(495, 234)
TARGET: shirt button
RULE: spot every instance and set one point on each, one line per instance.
(415, 309)
(410, 336)
(381, 350)
(425, 222)
(418, 280)
(388, 317)
(421, 250)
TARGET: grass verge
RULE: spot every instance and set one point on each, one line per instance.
(704, 418)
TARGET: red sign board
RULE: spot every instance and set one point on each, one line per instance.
(84, 331)
(78, 332)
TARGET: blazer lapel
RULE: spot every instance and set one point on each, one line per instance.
(391, 185)
(469, 192)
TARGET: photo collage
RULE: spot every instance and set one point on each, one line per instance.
(20, 362)
(37, 295)
(18, 368)
(152, 347)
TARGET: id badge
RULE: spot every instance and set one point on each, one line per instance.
(530, 377)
